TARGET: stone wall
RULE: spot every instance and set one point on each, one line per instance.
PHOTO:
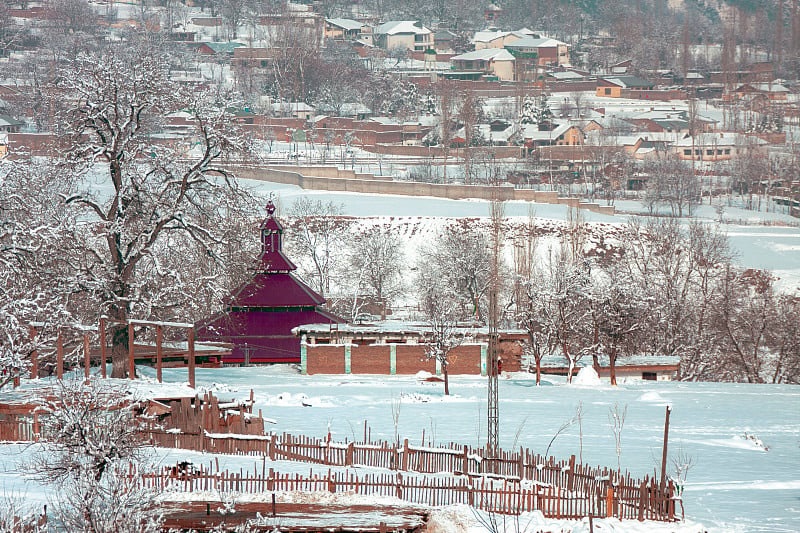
(334, 179)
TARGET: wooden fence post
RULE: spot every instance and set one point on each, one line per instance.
(86, 355)
(191, 357)
(671, 501)
(610, 502)
(34, 354)
(405, 455)
(642, 500)
(60, 355)
(159, 352)
(348, 457)
(131, 353)
(571, 473)
(465, 467)
(664, 448)
(103, 347)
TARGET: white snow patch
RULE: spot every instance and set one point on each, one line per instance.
(463, 519)
(651, 397)
(587, 377)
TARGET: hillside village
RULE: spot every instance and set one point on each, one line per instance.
(381, 218)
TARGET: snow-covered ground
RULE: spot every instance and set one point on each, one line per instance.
(733, 485)
(770, 247)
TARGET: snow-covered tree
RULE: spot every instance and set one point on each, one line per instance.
(376, 258)
(36, 262)
(91, 452)
(536, 110)
(619, 308)
(562, 311)
(461, 255)
(112, 102)
(316, 232)
(438, 305)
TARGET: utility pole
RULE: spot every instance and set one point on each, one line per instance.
(493, 408)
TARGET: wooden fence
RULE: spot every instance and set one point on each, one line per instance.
(511, 482)
(486, 492)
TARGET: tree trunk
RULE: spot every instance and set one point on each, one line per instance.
(538, 370)
(119, 351)
(612, 363)
(446, 380)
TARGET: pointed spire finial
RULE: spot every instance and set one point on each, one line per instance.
(270, 204)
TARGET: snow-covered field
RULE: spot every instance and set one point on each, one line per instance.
(733, 485)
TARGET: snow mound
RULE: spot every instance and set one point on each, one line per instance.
(287, 399)
(587, 377)
(423, 375)
(461, 518)
(651, 397)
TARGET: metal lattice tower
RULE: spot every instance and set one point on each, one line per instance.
(493, 407)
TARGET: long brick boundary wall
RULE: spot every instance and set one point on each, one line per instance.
(402, 359)
(333, 179)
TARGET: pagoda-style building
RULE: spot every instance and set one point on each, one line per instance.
(259, 316)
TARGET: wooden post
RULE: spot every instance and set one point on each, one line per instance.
(571, 473)
(60, 355)
(103, 355)
(405, 455)
(191, 357)
(86, 356)
(642, 500)
(610, 502)
(34, 355)
(131, 354)
(159, 353)
(664, 449)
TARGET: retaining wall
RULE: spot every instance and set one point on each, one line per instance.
(334, 179)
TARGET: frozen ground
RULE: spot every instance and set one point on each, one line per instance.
(733, 485)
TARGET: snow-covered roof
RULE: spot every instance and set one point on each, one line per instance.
(488, 36)
(5, 120)
(394, 327)
(559, 361)
(721, 139)
(504, 135)
(345, 24)
(485, 54)
(532, 132)
(769, 87)
(568, 75)
(532, 42)
(394, 27)
(291, 106)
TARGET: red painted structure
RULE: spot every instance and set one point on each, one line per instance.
(259, 316)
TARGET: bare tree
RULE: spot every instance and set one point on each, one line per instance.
(115, 100)
(562, 311)
(616, 419)
(461, 256)
(672, 182)
(437, 303)
(378, 254)
(90, 442)
(317, 232)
